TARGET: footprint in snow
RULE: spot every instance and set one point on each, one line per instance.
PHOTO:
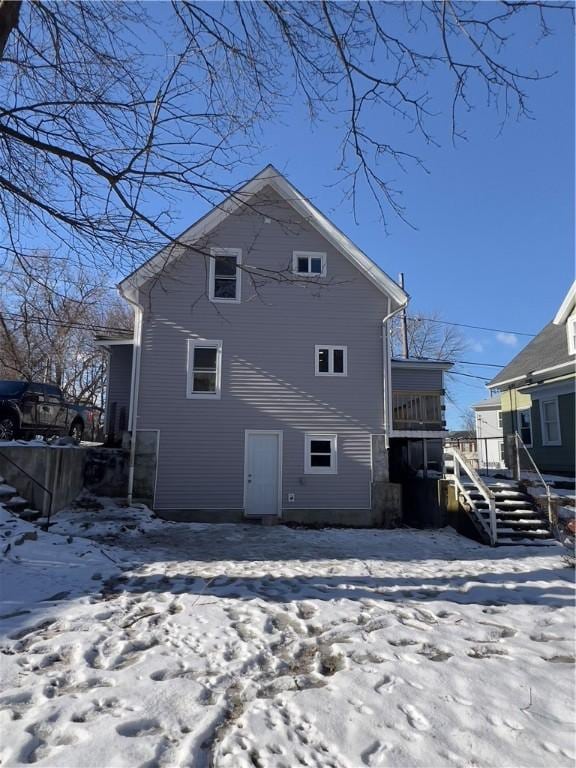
(144, 727)
(415, 718)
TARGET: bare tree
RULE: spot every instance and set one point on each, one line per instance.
(429, 338)
(469, 422)
(47, 327)
(113, 111)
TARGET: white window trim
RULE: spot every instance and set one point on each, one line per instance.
(543, 421)
(571, 331)
(333, 468)
(529, 412)
(330, 348)
(500, 420)
(190, 394)
(309, 255)
(237, 252)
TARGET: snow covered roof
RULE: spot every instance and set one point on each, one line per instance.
(269, 176)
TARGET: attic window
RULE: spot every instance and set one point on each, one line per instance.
(571, 331)
(309, 263)
(225, 277)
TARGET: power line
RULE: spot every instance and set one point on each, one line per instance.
(469, 375)
(64, 324)
(475, 327)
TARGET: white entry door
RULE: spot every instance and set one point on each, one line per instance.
(262, 473)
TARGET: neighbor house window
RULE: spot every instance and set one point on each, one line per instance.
(204, 369)
(501, 449)
(525, 427)
(320, 456)
(550, 420)
(309, 263)
(225, 277)
(331, 361)
(500, 419)
(571, 330)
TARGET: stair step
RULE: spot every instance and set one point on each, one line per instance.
(539, 533)
(16, 505)
(6, 491)
(504, 542)
(29, 515)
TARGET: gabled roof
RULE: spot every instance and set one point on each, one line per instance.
(567, 306)
(548, 350)
(269, 176)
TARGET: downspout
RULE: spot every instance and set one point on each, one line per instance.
(386, 360)
(134, 389)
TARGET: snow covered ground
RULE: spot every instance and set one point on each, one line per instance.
(150, 644)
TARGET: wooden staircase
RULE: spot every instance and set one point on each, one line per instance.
(502, 512)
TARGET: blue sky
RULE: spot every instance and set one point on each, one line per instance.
(493, 243)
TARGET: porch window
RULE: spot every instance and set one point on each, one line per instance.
(331, 361)
(320, 454)
(525, 427)
(204, 369)
(225, 276)
(309, 263)
(550, 420)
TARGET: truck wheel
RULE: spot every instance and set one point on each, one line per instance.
(8, 427)
(77, 430)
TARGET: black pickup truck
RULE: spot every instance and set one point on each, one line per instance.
(28, 409)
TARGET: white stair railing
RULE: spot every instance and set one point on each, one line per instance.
(460, 464)
(522, 451)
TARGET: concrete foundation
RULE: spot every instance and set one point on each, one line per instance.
(387, 504)
(59, 469)
(350, 518)
(202, 515)
(145, 465)
(106, 471)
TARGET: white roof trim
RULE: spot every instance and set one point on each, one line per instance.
(566, 307)
(113, 342)
(444, 365)
(506, 381)
(269, 176)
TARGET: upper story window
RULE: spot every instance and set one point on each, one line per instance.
(309, 263)
(571, 331)
(331, 361)
(500, 419)
(525, 427)
(320, 454)
(225, 276)
(204, 369)
(550, 420)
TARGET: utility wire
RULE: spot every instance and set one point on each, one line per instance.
(475, 327)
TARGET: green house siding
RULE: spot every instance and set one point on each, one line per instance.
(555, 458)
(549, 458)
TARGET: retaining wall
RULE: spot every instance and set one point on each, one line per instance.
(60, 469)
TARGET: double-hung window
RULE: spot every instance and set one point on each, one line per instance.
(309, 263)
(550, 420)
(331, 361)
(204, 369)
(525, 427)
(225, 276)
(320, 454)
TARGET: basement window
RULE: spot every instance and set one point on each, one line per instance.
(320, 454)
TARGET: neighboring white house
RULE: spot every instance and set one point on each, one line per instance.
(489, 433)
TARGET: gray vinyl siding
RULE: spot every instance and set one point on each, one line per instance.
(416, 379)
(268, 379)
(118, 394)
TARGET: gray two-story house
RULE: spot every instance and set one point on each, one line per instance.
(257, 382)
